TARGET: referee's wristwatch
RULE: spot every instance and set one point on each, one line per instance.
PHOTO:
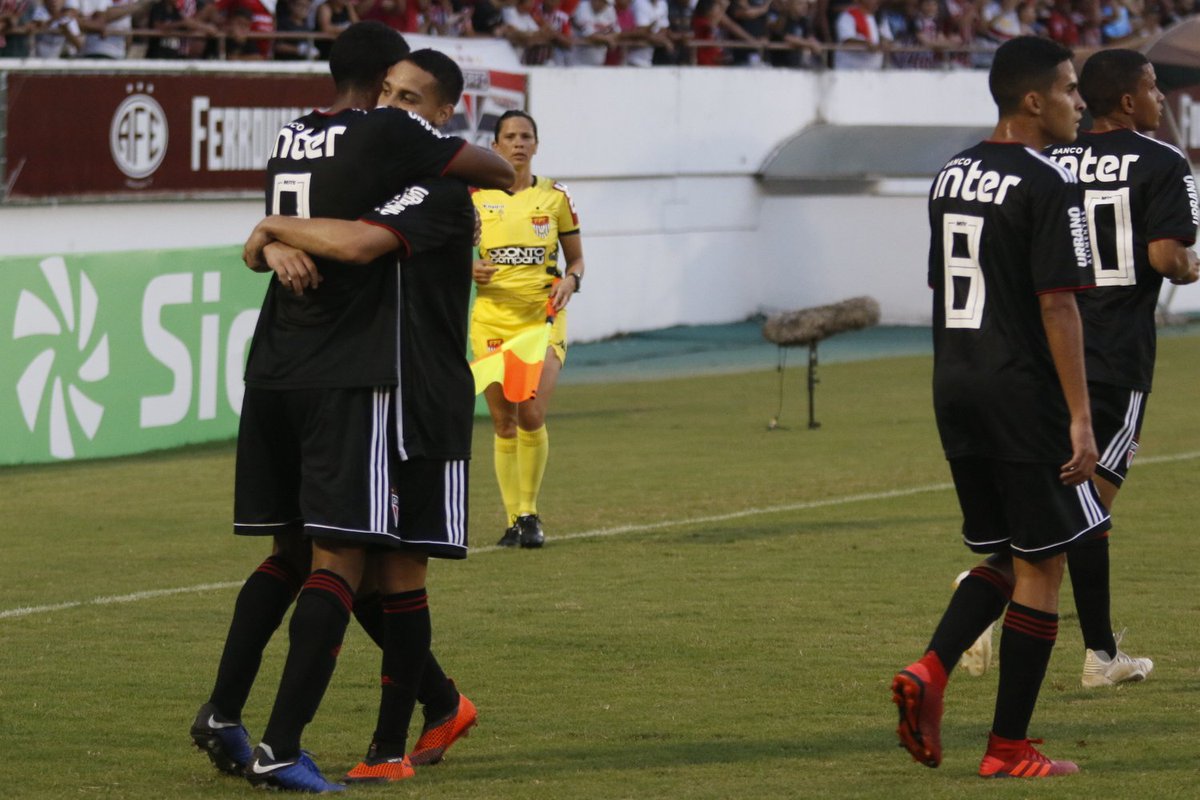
(578, 280)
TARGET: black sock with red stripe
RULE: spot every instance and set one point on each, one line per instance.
(1025, 646)
(316, 631)
(978, 601)
(436, 693)
(261, 604)
(406, 635)
(1088, 563)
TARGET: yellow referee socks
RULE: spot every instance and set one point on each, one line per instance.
(505, 454)
(533, 451)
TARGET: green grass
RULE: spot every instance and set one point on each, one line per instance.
(748, 656)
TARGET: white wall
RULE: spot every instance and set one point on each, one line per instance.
(661, 165)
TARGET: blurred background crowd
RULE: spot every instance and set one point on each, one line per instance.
(807, 34)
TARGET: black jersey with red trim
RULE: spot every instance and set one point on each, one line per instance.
(1006, 224)
(435, 222)
(343, 333)
(1136, 190)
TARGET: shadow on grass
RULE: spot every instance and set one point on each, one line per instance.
(649, 751)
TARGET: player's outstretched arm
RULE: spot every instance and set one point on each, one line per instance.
(481, 167)
(1175, 261)
(1064, 332)
(350, 242)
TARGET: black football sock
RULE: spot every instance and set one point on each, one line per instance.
(316, 631)
(1025, 646)
(406, 636)
(1088, 563)
(436, 693)
(978, 601)
(260, 606)
(368, 610)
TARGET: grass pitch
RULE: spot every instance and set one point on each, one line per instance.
(718, 611)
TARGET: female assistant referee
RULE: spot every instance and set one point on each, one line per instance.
(528, 232)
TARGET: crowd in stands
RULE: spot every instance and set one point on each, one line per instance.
(845, 34)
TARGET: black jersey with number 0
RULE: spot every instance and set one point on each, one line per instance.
(435, 222)
(343, 333)
(1006, 225)
(1136, 190)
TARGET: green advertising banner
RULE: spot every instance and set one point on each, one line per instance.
(116, 353)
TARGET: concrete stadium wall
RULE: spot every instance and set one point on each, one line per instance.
(661, 164)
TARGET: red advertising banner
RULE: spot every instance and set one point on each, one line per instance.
(176, 135)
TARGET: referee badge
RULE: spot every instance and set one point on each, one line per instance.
(541, 226)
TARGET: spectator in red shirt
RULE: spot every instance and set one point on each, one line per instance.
(1060, 26)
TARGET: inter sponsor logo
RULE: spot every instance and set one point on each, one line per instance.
(517, 256)
(1090, 168)
(236, 138)
(965, 178)
(295, 142)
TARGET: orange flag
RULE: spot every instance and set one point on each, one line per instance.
(517, 364)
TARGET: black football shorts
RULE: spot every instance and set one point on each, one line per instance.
(321, 458)
(1117, 415)
(1024, 509)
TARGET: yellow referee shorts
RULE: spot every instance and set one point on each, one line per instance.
(495, 322)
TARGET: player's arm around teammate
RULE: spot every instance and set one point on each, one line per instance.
(532, 257)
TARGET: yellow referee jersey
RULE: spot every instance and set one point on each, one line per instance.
(520, 236)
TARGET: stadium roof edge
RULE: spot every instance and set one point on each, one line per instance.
(856, 153)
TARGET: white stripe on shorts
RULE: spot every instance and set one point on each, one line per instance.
(1090, 503)
(1118, 448)
(453, 499)
(379, 480)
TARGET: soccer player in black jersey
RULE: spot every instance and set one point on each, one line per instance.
(315, 436)
(1008, 251)
(1141, 203)
(432, 225)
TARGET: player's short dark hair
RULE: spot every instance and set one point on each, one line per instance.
(507, 115)
(443, 69)
(1108, 76)
(363, 53)
(1022, 65)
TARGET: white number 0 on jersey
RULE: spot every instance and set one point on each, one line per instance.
(964, 297)
(295, 186)
(1121, 273)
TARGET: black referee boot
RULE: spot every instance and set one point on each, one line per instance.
(531, 530)
(511, 537)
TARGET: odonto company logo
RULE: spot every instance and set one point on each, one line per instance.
(66, 322)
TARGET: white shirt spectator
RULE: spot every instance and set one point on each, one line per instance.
(50, 41)
(587, 21)
(104, 46)
(856, 24)
(652, 14)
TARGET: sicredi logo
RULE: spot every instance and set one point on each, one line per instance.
(138, 134)
(67, 320)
